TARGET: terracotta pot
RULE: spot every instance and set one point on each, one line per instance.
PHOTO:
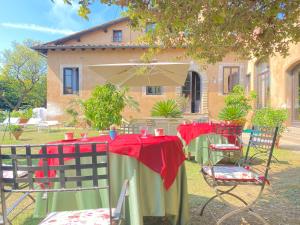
(240, 122)
(17, 134)
(23, 120)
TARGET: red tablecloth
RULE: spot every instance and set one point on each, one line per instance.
(190, 131)
(163, 155)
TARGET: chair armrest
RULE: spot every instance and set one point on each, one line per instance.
(124, 192)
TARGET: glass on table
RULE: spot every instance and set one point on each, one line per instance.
(83, 135)
(144, 131)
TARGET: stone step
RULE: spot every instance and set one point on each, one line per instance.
(293, 130)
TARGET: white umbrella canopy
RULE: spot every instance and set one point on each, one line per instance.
(143, 74)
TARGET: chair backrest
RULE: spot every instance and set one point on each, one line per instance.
(260, 149)
(55, 167)
(231, 132)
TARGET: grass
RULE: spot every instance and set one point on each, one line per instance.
(280, 203)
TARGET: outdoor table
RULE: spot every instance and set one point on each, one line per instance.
(195, 138)
(156, 172)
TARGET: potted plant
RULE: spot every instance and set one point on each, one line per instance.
(167, 108)
(16, 130)
(270, 117)
(237, 106)
(24, 115)
(104, 107)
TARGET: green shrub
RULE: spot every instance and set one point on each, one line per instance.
(104, 107)
(24, 114)
(15, 114)
(74, 116)
(27, 113)
(270, 117)
(14, 128)
(167, 108)
(237, 104)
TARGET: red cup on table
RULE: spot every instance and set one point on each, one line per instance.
(69, 136)
(159, 132)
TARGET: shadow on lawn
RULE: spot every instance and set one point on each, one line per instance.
(279, 204)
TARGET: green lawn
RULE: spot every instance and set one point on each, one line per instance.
(280, 204)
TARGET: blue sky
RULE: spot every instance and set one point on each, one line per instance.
(46, 21)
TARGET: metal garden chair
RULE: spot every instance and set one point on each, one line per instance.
(88, 170)
(19, 200)
(252, 170)
(232, 146)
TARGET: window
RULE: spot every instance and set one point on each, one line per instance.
(117, 36)
(71, 81)
(150, 27)
(231, 77)
(153, 90)
(263, 84)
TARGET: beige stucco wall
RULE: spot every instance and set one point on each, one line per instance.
(280, 81)
(57, 102)
(129, 36)
(215, 95)
(211, 75)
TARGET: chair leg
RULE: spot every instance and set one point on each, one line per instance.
(246, 208)
(15, 205)
(222, 193)
(277, 160)
(206, 203)
(240, 210)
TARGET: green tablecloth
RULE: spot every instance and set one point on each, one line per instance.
(198, 147)
(147, 195)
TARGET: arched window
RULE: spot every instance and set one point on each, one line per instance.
(263, 84)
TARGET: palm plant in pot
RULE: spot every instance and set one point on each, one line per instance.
(237, 106)
(166, 108)
(15, 130)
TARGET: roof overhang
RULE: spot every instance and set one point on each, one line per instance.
(43, 49)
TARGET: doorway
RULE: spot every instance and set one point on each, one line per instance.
(192, 91)
(296, 96)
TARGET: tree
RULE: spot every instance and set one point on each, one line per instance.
(22, 77)
(104, 107)
(209, 29)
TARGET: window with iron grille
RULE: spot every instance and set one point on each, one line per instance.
(153, 90)
(117, 36)
(71, 80)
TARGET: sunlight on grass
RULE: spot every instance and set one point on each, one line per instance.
(283, 185)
